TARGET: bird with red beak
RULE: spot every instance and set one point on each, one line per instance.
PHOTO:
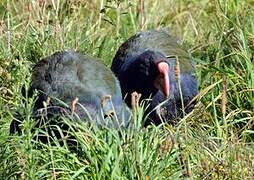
(147, 73)
(146, 63)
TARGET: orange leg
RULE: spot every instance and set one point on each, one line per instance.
(135, 97)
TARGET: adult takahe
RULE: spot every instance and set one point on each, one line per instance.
(72, 84)
(146, 63)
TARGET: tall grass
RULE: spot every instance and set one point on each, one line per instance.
(215, 141)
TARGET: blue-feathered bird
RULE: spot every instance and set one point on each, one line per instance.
(147, 63)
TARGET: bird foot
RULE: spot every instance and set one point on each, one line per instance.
(135, 97)
(105, 100)
(45, 105)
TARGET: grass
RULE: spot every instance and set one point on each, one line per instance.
(215, 141)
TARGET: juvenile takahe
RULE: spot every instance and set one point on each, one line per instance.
(72, 84)
(146, 63)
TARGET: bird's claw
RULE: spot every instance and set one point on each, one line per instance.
(135, 97)
(105, 100)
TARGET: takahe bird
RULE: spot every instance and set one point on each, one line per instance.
(83, 84)
(147, 63)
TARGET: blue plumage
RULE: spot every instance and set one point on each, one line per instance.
(140, 65)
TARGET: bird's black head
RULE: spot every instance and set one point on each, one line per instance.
(150, 73)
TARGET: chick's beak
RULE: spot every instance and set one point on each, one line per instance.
(162, 80)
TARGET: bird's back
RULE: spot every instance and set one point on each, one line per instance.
(157, 40)
(68, 75)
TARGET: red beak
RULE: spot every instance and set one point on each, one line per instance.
(162, 81)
